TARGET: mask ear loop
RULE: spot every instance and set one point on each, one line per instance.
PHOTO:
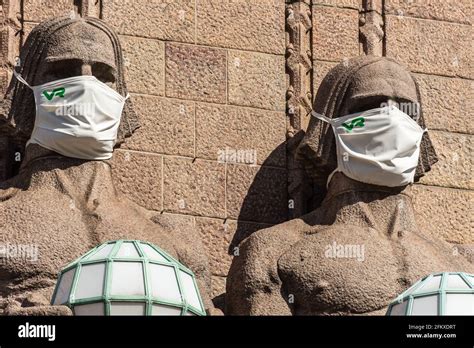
(321, 117)
(21, 79)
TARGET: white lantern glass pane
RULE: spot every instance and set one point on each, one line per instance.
(64, 288)
(426, 305)
(89, 309)
(456, 282)
(410, 289)
(91, 281)
(102, 253)
(165, 310)
(190, 291)
(459, 304)
(127, 308)
(190, 314)
(127, 279)
(127, 250)
(432, 284)
(399, 308)
(164, 284)
(471, 278)
(152, 254)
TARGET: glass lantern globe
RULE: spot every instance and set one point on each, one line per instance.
(446, 293)
(128, 277)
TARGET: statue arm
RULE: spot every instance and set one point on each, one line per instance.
(14, 308)
(253, 284)
(34, 303)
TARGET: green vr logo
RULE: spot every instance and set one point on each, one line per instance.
(57, 92)
(356, 122)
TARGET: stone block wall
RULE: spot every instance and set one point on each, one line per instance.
(435, 42)
(209, 77)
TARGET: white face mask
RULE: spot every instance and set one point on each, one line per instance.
(379, 146)
(77, 117)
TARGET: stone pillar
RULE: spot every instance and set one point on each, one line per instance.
(371, 28)
(299, 97)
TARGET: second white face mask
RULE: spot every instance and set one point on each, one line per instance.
(379, 146)
(76, 117)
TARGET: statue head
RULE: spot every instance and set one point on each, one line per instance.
(356, 85)
(60, 48)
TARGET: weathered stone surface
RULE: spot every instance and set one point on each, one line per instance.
(257, 193)
(371, 29)
(335, 33)
(219, 238)
(371, 5)
(446, 102)
(4, 80)
(249, 25)
(452, 11)
(216, 237)
(196, 72)
(444, 212)
(167, 126)
(144, 64)
(11, 11)
(91, 8)
(221, 129)
(338, 3)
(37, 11)
(455, 166)
(138, 176)
(161, 19)
(320, 70)
(9, 45)
(27, 28)
(217, 286)
(464, 250)
(194, 187)
(431, 47)
(257, 79)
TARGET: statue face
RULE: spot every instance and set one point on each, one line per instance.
(378, 84)
(78, 49)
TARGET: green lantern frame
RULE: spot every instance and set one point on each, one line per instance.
(411, 293)
(107, 298)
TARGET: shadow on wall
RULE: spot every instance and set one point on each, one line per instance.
(265, 204)
(11, 155)
(266, 201)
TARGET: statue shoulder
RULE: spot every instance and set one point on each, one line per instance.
(8, 189)
(285, 233)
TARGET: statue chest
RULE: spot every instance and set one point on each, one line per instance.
(41, 235)
(347, 269)
(340, 271)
